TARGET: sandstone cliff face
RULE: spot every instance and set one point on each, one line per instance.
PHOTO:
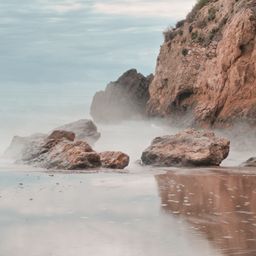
(207, 65)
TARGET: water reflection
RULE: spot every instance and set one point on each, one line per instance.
(219, 205)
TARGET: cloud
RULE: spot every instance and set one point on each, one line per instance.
(142, 8)
(66, 7)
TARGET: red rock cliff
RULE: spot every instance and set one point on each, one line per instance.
(207, 65)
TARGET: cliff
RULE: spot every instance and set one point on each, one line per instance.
(123, 99)
(207, 67)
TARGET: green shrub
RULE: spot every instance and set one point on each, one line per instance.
(190, 28)
(201, 3)
(180, 23)
(169, 34)
(200, 39)
(213, 33)
(211, 14)
(194, 35)
(184, 52)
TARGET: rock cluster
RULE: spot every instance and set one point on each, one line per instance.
(187, 148)
(60, 151)
(206, 65)
(123, 99)
(65, 150)
(25, 147)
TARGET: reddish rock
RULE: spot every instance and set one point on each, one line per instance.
(25, 148)
(70, 156)
(114, 160)
(60, 153)
(187, 148)
(61, 135)
(207, 66)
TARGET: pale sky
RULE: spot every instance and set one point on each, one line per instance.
(81, 40)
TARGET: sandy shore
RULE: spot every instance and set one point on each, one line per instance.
(132, 213)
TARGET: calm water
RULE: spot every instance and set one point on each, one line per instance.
(179, 213)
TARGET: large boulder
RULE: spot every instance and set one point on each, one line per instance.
(26, 147)
(60, 151)
(251, 162)
(187, 148)
(123, 99)
(114, 160)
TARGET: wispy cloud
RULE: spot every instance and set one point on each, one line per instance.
(142, 8)
(63, 8)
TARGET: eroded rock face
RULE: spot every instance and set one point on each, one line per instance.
(123, 99)
(60, 151)
(187, 148)
(251, 162)
(207, 66)
(26, 147)
(114, 160)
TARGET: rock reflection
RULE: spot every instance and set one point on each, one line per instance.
(220, 205)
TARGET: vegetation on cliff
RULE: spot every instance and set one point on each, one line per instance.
(206, 65)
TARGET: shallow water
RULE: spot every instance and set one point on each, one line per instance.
(145, 212)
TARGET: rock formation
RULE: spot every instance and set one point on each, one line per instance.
(25, 147)
(124, 99)
(187, 148)
(114, 160)
(63, 151)
(60, 151)
(251, 162)
(206, 65)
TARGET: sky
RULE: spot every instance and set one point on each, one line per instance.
(61, 41)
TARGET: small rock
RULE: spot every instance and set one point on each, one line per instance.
(251, 162)
(114, 160)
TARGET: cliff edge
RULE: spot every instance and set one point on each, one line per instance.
(207, 65)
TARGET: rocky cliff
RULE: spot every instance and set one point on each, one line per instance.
(123, 99)
(207, 65)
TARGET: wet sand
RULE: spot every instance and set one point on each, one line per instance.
(142, 212)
